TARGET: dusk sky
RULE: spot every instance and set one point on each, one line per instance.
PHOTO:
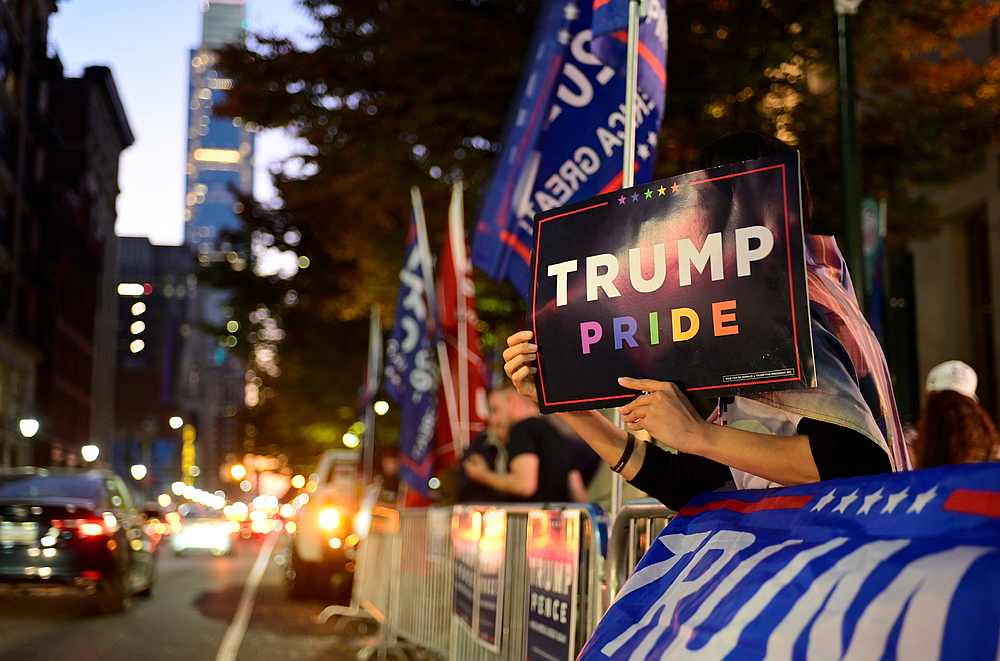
(146, 47)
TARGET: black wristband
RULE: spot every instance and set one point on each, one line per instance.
(626, 454)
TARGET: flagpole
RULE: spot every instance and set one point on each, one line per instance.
(635, 9)
(456, 234)
(371, 389)
(424, 248)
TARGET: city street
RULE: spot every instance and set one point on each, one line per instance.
(194, 609)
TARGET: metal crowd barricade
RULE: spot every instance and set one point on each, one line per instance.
(425, 578)
(632, 533)
(463, 645)
(405, 581)
(375, 593)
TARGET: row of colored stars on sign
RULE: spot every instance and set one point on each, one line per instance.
(648, 193)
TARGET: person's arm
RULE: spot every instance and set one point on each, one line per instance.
(667, 414)
(842, 452)
(674, 479)
(577, 490)
(787, 460)
(521, 481)
(819, 451)
(605, 438)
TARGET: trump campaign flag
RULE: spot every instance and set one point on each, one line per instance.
(896, 566)
(411, 374)
(463, 396)
(566, 136)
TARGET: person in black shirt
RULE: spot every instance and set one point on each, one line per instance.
(489, 449)
(494, 455)
(547, 464)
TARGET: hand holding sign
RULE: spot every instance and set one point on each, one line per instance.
(518, 358)
(665, 412)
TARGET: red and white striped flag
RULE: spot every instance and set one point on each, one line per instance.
(465, 406)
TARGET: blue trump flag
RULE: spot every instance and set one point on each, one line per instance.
(565, 138)
(897, 566)
(411, 372)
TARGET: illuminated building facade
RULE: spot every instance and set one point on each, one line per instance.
(220, 149)
(219, 168)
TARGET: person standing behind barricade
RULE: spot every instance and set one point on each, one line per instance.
(547, 464)
(954, 428)
(847, 426)
(507, 408)
(388, 461)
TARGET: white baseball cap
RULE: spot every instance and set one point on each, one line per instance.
(953, 375)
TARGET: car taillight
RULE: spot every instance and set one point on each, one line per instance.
(91, 529)
(86, 527)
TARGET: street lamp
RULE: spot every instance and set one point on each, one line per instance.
(176, 422)
(850, 156)
(351, 440)
(90, 453)
(28, 427)
(381, 407)
(238, 471)
(138, 471)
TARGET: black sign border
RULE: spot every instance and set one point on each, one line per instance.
(782, 163)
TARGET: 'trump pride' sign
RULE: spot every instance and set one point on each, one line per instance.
(698, 279)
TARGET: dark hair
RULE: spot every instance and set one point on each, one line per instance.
(750, 145)
(954, 429)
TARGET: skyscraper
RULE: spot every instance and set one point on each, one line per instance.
(220, 149)
(219, 167)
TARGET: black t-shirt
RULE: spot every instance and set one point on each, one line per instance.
(558, 454)
(470, 491)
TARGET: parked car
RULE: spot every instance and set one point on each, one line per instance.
(324, 541)
(73, 532)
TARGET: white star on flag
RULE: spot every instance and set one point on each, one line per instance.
(894, 500)
(823, 502)
(643, 152)
(563, 37)
(921, 500)
(571, 12)
(846, 501)
(870, 500)
(651, 138)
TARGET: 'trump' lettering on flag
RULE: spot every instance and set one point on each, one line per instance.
(902, 566)
(566, 136)
(411, 373)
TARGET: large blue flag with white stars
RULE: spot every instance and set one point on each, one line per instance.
(897, 566)
(565, 139)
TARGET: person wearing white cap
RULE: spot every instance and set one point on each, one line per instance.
(953, 375)
(953, 427)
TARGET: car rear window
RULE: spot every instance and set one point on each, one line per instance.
(49, 486)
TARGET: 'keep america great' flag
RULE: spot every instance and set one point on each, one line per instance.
(411, 371)
(565, 139)
(897, 566)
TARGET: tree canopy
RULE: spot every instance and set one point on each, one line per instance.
(390, 93)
